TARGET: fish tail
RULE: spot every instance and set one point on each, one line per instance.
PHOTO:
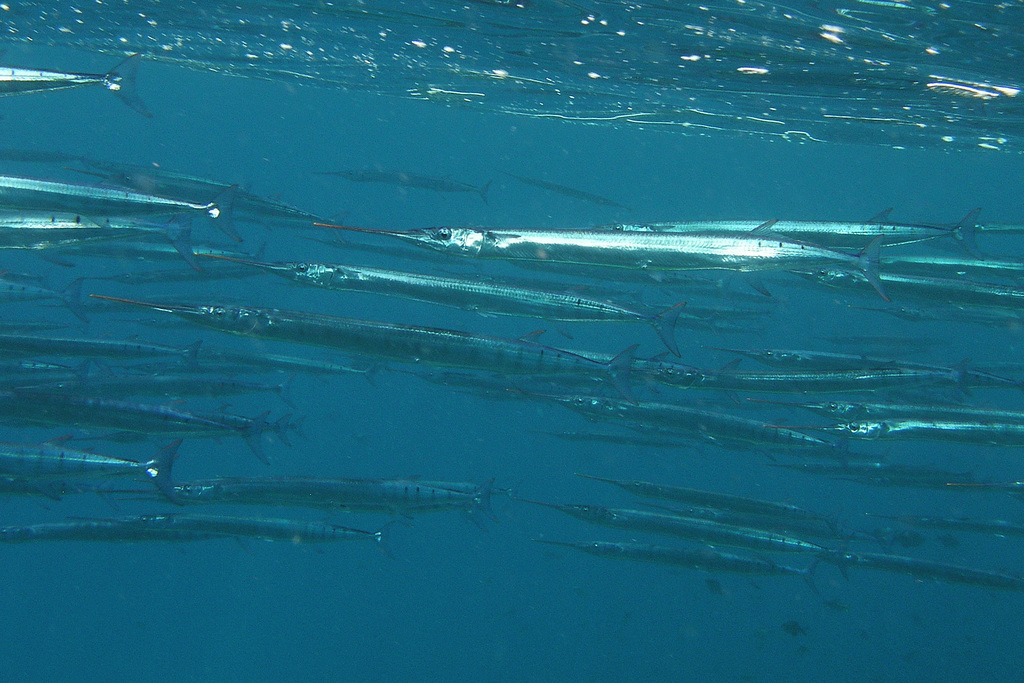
(619, 371)
(121, 81)
(223, 211)
(281, 427)
(482, 500)
(192, 353)
(965, 231)
(179, 233)
(665, 325)
(72, 296)
(284, 390)
(868, 260)
(253, 436)
(483, 190)
(159, 471)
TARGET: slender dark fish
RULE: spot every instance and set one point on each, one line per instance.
(928, 570)
(707, 559)
(403, 179)
(402, 343)
(185, 527)
(711, 499)
(566, 191)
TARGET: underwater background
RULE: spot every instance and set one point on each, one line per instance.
(454, 599)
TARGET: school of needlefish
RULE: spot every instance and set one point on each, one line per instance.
(838, 412)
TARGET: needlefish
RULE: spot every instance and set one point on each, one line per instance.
(120, 80)
(711, 499)
(49, 408)
(389, 496)
(480, 295)
(691, 528)
(186, 527)
(928, 570)
(754, 251)
(36, 194)
(52, 460)
(693, 423)
(404, 179)
(402, 343)
(831, 233)
(706, 559)
(982, 433)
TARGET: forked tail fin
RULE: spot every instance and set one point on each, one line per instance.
(121, 81)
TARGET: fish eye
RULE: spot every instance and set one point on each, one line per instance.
(219, 311)
(302, 267)
(444, 234)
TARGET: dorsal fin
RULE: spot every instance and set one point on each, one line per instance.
(765, 227)
(882, 217)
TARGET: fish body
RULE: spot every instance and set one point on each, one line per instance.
(707, 559)
(389, 496)
(815, 381)
(52, 460)
(184, 527)
(831, 233)
(928, 570)
(53, 408)
(403, 343)
(698, 529)
(403, 179)
(711, 499)
(982, 433)
(637, 250)
(478, 295)
(851, 410)
(699, 424)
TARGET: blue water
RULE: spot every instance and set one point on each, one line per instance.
(459, 602)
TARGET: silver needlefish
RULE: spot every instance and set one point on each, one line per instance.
(186, 527)
(927, 570)
(707, 559)
(82, 347)
(404, 179)
(993, 527)
(120, 80)
(56, 408)
(701, 425)
(15, 289)
(480, 295)
(711, 499)
(829, 361)
(987, 433)
(884, 474)
(955, 292)
(857, 410)
(841, 234)
(818, 381)
(47, 230)
(388, 496)
(153, 179)
(691, 528)
(52, 460)
(97, 201)
(402, 343)
(760, 250)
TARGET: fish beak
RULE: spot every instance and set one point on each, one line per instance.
(372, 231)
(167, 308)
(244, 262)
